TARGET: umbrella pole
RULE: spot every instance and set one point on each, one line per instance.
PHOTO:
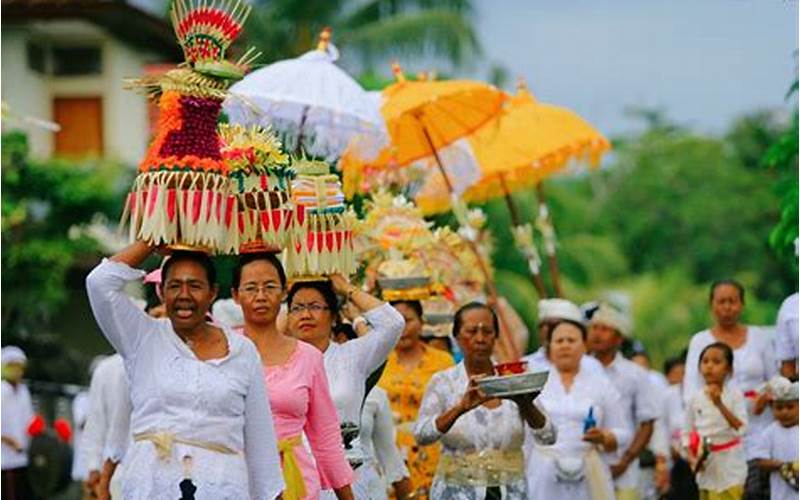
(504, 334)
(549, 238)
(299, 147)
(530, 253)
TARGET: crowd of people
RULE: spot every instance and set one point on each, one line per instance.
(322, 390)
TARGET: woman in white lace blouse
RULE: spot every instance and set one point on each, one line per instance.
(201, 423)
(481, 438)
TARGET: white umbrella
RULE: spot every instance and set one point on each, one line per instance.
(310, 102)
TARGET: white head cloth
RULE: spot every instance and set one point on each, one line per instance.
(783, 389)
(609, 316)
(13, 354)
(559, 309)
(228, 313)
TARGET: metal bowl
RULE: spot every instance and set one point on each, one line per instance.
(403, 283)
(513, 385)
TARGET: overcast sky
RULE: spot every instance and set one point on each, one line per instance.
(703, 61)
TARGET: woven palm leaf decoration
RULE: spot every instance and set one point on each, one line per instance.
(323, 226)
(260, 175)
(181, 193)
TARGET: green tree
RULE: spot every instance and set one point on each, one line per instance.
(373, 30)
(781, 157)
(43, 204)
(672, 211)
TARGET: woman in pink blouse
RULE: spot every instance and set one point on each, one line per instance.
(298, 386)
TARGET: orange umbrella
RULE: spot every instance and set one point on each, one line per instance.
(524, 144)
(424, 117)
(528, 142)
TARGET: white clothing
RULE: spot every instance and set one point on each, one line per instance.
(348, 365)
(778, 443)
(674, 417)
(723, 469)
(17, 413)
(640, 404)
(120, 437)
(479, 430)
(377, 439)
(568, 410)
(12, 354)
(108, 393)
(753, 365)
(787, 329)
(221, 401)
(538, 362)
(659, 443)
(80, 413)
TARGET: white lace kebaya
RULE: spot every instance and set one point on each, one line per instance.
(348, 365)
(191, 405)
(378, 439)
(483, 448)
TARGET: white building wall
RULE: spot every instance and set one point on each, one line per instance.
(125, 126)
(25, 92)
(125, 111)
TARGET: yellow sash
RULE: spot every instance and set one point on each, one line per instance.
(292, 475)
(164, 441)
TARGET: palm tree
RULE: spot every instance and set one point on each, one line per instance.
(372, 30)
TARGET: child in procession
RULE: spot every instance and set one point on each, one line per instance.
(777, 450)
(716, 418)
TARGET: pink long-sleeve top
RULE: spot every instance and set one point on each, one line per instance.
(301, 403)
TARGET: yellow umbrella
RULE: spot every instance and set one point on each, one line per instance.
(424, 116)
(527, 142)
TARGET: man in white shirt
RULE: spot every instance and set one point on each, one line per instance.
(80, 411)
(551, 312)
(109, 411)
(654, 477)
(17, 413)
(607, 329)
(787, 336)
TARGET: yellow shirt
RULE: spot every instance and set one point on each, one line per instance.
(405, 389)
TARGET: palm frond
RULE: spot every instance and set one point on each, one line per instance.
(436, 31)
(366, 13)
(374, 10)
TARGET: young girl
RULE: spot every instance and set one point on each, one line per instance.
(716, 417)
(777, 449)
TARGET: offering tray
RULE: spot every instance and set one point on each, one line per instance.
(513, 385)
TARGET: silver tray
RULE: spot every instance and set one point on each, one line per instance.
(513, 385)
(438, 318)
(403, 283)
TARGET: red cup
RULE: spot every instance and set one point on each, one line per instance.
(513, 368)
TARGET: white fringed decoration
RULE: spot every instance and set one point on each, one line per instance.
(156, 194)
(321, 245)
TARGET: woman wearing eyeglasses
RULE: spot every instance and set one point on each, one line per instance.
(313, 313)
(298, 387)
(481, 437)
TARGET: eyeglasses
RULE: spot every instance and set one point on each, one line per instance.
(252, 289)
(313, 308)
